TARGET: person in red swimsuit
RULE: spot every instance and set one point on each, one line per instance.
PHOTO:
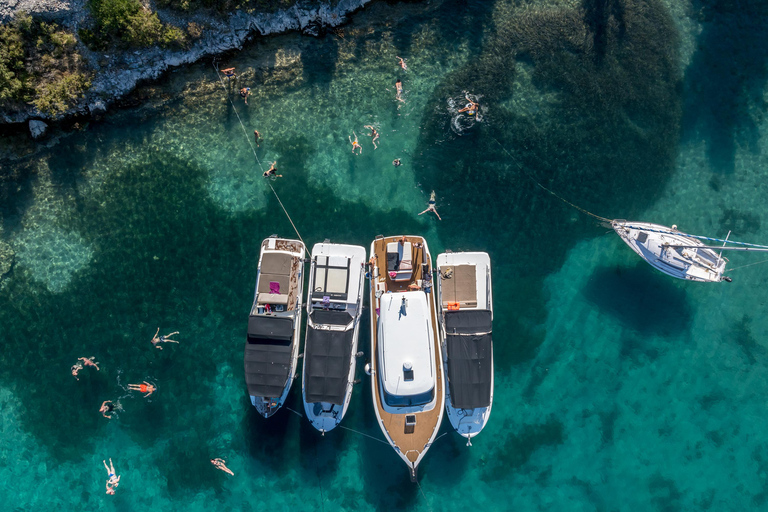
(146, 387)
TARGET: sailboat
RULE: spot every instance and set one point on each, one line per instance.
(272, 343)
(406, 366)
(679, 254)
(466, 315)
(334, 308)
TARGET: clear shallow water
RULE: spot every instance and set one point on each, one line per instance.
(616, 388)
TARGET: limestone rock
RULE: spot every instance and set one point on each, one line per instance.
(37, 129)
(6, 258)
(97, 107)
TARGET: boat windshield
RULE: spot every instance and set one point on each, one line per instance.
(409, 400)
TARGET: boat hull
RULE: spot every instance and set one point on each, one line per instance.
(657, 245)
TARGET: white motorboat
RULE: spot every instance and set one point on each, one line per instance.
(272, 345)
(406, 366)
(466, 314)
(336, 283)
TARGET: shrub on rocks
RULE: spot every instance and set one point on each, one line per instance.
(131, 23)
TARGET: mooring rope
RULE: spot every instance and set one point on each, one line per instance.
(364, 434)
(527, 173)
(253, 149)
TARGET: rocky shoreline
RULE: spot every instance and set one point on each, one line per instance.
(117, 73)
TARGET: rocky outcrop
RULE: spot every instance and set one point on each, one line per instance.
(37, 129)
(118, 72)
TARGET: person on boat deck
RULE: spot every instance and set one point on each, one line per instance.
(113, 480)
(402, 63)
(143, 388)
(431, 207)
(471, 107)
(229, 73)
(244, 93)
(403, 240)
(414, 286)
(157, 340)
(399, 89)
(221, 464)
(355, 144)
(373, 134)
(272, 171)
(107, 407)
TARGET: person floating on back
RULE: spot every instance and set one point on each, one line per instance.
(244, 93)
(157, 340)
(431, 207)
(81, 363)
(373, 134)
(355, 144)
(113, 480)
(146, 387)
(229, 73)
(272, 171)
(221, 464)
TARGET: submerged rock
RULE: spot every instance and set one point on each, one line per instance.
(6, 258)
(37, 129)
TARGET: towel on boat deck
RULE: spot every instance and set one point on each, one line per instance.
(274, 287)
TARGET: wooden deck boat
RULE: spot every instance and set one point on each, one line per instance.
(272, 345)
(406, 366)
(334, 308)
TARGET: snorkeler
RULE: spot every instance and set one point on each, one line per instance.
(244, 93)
(396, 162)
(355, 144)
(272, 171)
(220, 464)
(431, 207)
(402, 63)
(373, 134)
(114, 480)
(143, 388)
(472, 106)
(399, 89)
(156, 340)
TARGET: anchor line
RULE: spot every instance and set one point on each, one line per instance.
(363, 434)
(253, 150)
(749, 265)
(527, 173)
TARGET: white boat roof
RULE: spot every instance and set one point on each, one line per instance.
(338, 269)
(406, 337)
(481, 261)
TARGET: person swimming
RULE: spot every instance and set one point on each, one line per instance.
(471, 107)
(221, 464)
(107, 408)
(373, 134)
(113, 480)
(431, 207)
(396, 162)
(157, 340)
(81, 363)
(272, 171)
(146, 387)
(399, 89)
(244, 93)
(402, 63)
(229, 73)
(355, 144)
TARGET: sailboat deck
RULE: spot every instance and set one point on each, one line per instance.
(411, 440)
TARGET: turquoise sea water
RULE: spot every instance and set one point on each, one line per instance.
(617, 388)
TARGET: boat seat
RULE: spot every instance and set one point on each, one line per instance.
(272, 298)
(265, 280)
(400, 260)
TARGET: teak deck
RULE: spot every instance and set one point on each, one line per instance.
(412, 445)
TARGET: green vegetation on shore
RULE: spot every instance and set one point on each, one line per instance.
(40, 65)
(131, 23)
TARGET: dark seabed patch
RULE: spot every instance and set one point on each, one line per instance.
(520, 446)
(641, 298)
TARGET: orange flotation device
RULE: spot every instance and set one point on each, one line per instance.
(453, 306)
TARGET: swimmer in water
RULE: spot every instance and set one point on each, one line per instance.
(221, 464)
(373, 134)
(396, 162)
(257, 136)
(229, 73)
(402, 63)
(471, 108)
(355, 144)
(108, 407)
(272, 171)
(399, 89)
(143, 388)
(244, 93)
(157, 340)
(113, 480)
(431, 207)
(81, 363)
